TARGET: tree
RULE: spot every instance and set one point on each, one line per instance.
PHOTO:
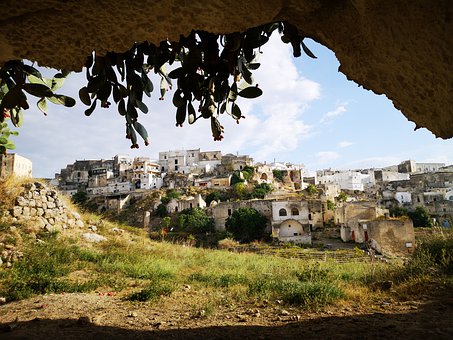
(398, 211)
(240, 190)
(248, 172)
(279, 174)
(342, 197)
(195, 221)
(420, 217)
(246, 224)
(173, 194)
(260, 190)
(166, 221)
(330, 205)
(79, 198)
(161, 210)
(214, 196)
(236, 178)
(311, 190)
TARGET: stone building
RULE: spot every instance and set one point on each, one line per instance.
(286, 217)
(291, 221)
(351, 212)
(190, 202)
(223, 210)
(232, 162)
(386, 236)
(263, 174)
(14, 164)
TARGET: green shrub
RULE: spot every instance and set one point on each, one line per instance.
(161, 210)
(195, 221)
(246, 224)
(279, 174)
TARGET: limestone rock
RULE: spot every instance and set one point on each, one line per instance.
(399, 48)
(91, 237)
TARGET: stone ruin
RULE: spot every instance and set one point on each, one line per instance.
(42, 209)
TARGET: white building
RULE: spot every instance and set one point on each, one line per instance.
(189, 161)
(449, 195)
(291, 221)
(14, 164)
(347, 180)
(146, 174)
(429, 167)
(403, 197)
(119, 187)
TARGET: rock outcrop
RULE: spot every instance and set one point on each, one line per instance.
(399, 48)
(41, 208)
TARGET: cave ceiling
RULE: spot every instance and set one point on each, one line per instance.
(403, 49)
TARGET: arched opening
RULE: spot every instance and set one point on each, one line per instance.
(263, 176)
(282, 212)
(295, 212)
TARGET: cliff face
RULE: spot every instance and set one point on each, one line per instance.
(400, 48)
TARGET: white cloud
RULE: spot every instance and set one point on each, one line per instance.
(338, 111)
(325, 157)
(345, 144)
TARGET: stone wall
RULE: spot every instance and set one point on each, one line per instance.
(392, 236)
(42, 209)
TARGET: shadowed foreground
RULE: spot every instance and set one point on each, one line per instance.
(432, 319)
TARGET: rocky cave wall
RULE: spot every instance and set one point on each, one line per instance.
(397, 47)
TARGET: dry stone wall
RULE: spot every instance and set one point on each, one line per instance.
(42, 209)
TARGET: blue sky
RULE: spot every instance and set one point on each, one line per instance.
(309, 114)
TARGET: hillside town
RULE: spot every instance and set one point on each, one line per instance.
(358, 204)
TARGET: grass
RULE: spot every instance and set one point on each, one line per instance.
(143, 270)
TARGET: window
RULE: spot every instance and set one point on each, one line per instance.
(295, 234)
(294, 211)
(190, 205)
(309, 216)
(176, 168)
(229, 212)
(282, 212)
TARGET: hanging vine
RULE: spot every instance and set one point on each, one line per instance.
(213, 71)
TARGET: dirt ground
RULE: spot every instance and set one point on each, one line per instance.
(103, 316)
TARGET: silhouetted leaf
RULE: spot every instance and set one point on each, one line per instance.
(122, 107)
(63, 100)
(141, 106)
(38, 90)
(30, 70)
(90, 110)
(307, 51)
(85, 96)
(251, 92)
(42, 105)
(236, 112)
